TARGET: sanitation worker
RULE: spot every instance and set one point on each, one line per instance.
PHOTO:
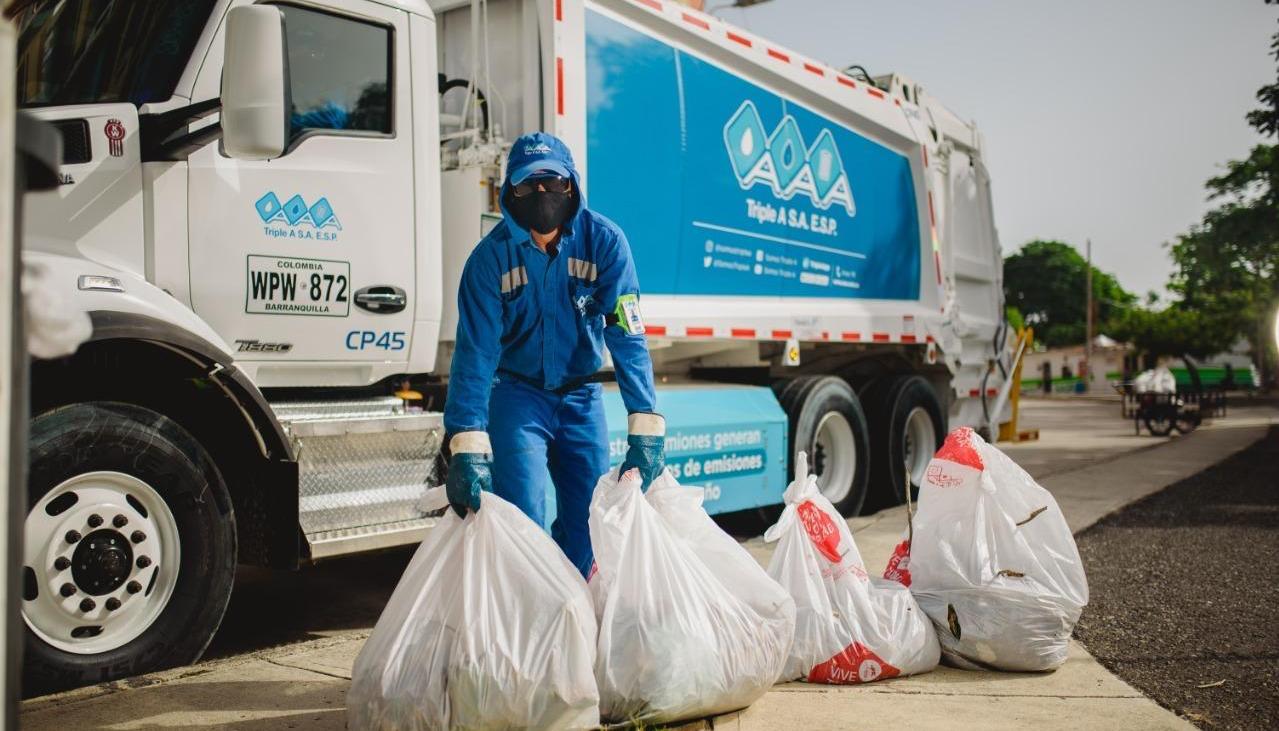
(540, 297)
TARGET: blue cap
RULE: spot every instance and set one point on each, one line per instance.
(538, 153)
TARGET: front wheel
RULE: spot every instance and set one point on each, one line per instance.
(128, 550)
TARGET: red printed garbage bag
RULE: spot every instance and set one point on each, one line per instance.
(490, 627)
(690, 625)
(849, 627)
(992, 563)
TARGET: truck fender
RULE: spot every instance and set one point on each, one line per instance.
(127, 306)
(72, 283)
(130, 313)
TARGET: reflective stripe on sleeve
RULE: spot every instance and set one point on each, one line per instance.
(517, 277)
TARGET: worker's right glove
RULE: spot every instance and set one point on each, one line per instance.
(646, 442)
(470, 471)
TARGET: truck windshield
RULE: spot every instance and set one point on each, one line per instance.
(98, 51)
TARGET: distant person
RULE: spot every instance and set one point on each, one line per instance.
(1228, 379)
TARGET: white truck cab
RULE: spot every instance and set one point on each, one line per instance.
(263, 213)
(290, 242)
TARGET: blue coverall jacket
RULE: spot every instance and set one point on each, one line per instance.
(531, 333)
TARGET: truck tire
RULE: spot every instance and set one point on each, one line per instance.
(129, 547)
(827, 422)
(908, 427)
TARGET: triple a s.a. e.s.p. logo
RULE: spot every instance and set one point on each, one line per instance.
(296, 219)
(782, 162)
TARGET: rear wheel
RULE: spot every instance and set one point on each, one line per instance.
(128, 549)
(1187, 419)
(827, 422)
(1160, 420)
(909, 427)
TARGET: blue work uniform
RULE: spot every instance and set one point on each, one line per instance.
(530, 336)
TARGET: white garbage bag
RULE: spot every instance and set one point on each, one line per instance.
(490, 627)
(690, 625)
(849, 627)
(992, 563)
(1158, 380)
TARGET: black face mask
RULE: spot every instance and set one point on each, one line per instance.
(541, 211)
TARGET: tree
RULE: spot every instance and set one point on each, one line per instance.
(1046, 282)
(1173, 331)
(1013, 317)
(1227, 266)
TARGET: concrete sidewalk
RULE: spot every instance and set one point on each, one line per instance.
(303, 686)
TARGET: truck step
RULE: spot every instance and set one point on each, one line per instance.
(330, 543)
(362, 465)
(327, 410)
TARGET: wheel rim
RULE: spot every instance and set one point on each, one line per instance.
(919, 439)
(834, 458)
(107, 586)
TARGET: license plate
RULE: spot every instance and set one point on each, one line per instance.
(278, 285)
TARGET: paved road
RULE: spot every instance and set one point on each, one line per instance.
(1182, 593)
(343, 595)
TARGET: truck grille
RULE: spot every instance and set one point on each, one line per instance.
(75, 141)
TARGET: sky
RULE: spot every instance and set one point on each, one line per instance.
(1102, 119)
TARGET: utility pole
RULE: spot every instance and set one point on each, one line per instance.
(1087, 374)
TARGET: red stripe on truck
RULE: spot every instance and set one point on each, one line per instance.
(655, 329)
(559, 86)
(699, 332)
(845, 81)
(738, 39)
(782, 334)
(880, 337)
(875, 92)
(908, 338)
(973, 393)
(851, 336)
(743, 332)
(814, 69)
(932, 217)
(778, 55)
(694, 20)
(652, 4)
(559, 9)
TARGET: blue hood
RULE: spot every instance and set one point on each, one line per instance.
(536, 152)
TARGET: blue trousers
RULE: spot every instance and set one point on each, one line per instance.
(534, 431)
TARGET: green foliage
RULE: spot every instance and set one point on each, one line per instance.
(1173, 331)
(1266, 119)
(1014, 318)
(1226, 268)
(1046, 282)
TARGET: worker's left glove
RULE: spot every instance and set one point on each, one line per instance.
(470, 471)
(647, 447)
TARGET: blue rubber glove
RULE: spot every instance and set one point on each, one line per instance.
(470, 471)
(647, 447)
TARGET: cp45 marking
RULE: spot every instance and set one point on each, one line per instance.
(369, 340)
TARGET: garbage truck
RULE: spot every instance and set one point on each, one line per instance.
(263, 212)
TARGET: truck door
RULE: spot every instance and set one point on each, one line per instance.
(305, 263)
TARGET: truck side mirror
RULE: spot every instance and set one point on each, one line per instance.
(255, 84)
